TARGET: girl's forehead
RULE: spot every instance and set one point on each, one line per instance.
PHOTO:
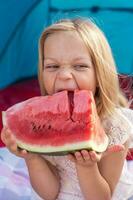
(65, 44)
(63, 37)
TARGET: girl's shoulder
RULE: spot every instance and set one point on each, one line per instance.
(119, 127)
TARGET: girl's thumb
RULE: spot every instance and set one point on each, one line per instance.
(114, 148)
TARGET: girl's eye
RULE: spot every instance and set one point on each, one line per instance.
(51, 67)
(81, 67)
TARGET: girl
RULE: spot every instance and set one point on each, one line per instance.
(74, 54)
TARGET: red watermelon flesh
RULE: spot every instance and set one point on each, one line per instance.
(63, 122)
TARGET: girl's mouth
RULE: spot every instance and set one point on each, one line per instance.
(66, 89)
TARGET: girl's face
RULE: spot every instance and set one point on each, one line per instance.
(67, 64)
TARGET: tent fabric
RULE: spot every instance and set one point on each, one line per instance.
(22, 23)
(21, 28)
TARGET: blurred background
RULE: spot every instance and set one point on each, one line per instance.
(22, 23)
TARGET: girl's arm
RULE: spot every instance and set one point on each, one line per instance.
(92, 184)
(43, 177)
(98, 179)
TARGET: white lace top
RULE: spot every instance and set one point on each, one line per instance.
(119, 129)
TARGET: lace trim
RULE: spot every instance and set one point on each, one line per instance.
(118, 127)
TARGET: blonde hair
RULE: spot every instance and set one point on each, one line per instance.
(108, 94)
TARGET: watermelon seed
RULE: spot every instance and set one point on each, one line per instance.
(34, 128)
(43, 126)
(49, 127)
(39, 127)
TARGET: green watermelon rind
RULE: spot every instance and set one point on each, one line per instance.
(65, 149)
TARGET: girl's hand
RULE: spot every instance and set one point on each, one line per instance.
(89, 158)
(85, 158)
(10, 142)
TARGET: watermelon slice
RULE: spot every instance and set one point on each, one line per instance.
(60, 123)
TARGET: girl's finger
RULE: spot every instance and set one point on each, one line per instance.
(85, 155)
(23, 153)
(71, 157)
(78, 156)
(10, 141)
(6, 136)
(113, 148)
(3, 137)
(94, 156)
(18, 152)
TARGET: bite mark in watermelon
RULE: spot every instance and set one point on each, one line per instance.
(63, 122)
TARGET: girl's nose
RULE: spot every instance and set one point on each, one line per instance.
(64, 74)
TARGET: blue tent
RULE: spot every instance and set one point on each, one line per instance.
(23, 21)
